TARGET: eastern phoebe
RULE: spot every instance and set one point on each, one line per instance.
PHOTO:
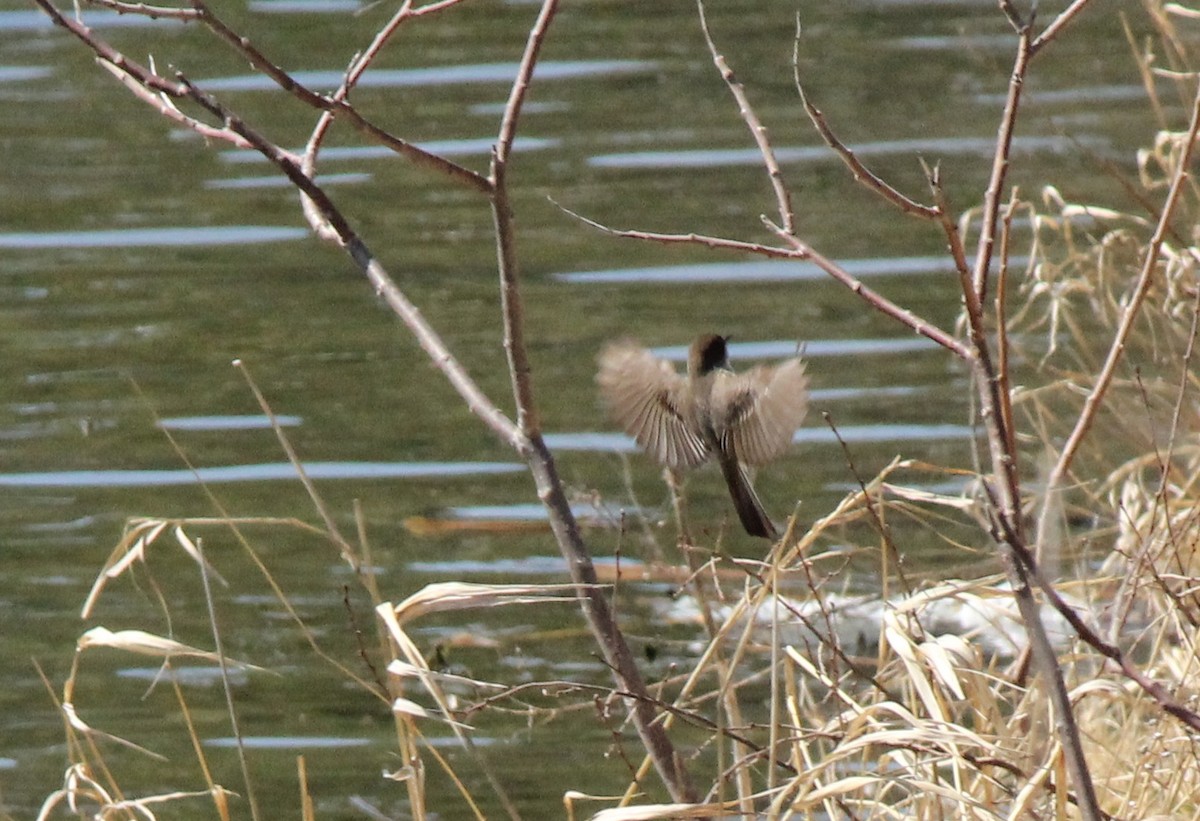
(741, 418)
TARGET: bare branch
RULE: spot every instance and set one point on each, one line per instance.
(1000, 162)
(953, 238)
(257, 60)
(757, 129)
(520, 86)
(145, 10)
(162, 103)
(1002, 346)
(860, 172)
(1065, 17)
(510, 294)
(1110, 651)
(335, 105)
(593, 601)
(360, 64)
(769, 251)
(1091, 406)
(1014, 17)
(797, 250)
(875, 299)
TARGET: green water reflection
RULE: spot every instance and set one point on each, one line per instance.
(100, 341)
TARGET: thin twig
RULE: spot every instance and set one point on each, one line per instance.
(1091, 405)
(226, 687)
(1000, 164)
(783, 199)
(165, 106)
(954, 241)
(860, 171)
(870, 502)
(875, 299)
(336, 105)
(800, 251)
(1060, 22)
(1002, 342)
(617, 654)
(146, 10)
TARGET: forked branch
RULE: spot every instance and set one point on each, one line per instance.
(524, 435)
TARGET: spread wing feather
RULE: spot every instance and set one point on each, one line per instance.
(648, 398)
(762, 409)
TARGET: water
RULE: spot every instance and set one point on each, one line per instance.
(139, 263)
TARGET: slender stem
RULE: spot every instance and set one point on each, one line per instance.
(857, 168)
(799, 250)
(1004, 489)
(146, 10)
(1000, 164)
(1091, 405)
(593, 600)
(877, 300)
(227, 689)
(336, 105)
(1060, 22)
(783, 199)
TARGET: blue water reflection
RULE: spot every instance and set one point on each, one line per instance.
(286, 742)
(35, 20)
(444, 148)
(21, 74)
(437, 75)
(280, 181)
(760, 271)
(210, 423)
(1066, 96)
(304, 6)
(180, 236)
(255, 473)
(927, 147)
(778, 349)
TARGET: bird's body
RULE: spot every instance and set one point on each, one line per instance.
(742, 420)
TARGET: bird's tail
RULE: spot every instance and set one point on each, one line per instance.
(745, 500)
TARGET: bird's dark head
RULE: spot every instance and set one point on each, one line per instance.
(707, 354)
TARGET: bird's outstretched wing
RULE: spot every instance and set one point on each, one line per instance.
(761, 409)
(649, 400)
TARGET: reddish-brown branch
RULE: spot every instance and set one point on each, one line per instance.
(1065, 17)
(146, 10)
(783, 199)
(1002, 346)
(797, 250)
(877, 300)
(1000, 163)
(336, 106)
(1110, 651)
(592, 598)
(859, 171)
(1004, 490)
(510, 293)
(359, 66)
(954, 243)
(166, 107)
(1091, 405)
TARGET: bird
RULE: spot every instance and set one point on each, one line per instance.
(742, 420)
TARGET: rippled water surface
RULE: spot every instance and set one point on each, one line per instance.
(137, 263)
